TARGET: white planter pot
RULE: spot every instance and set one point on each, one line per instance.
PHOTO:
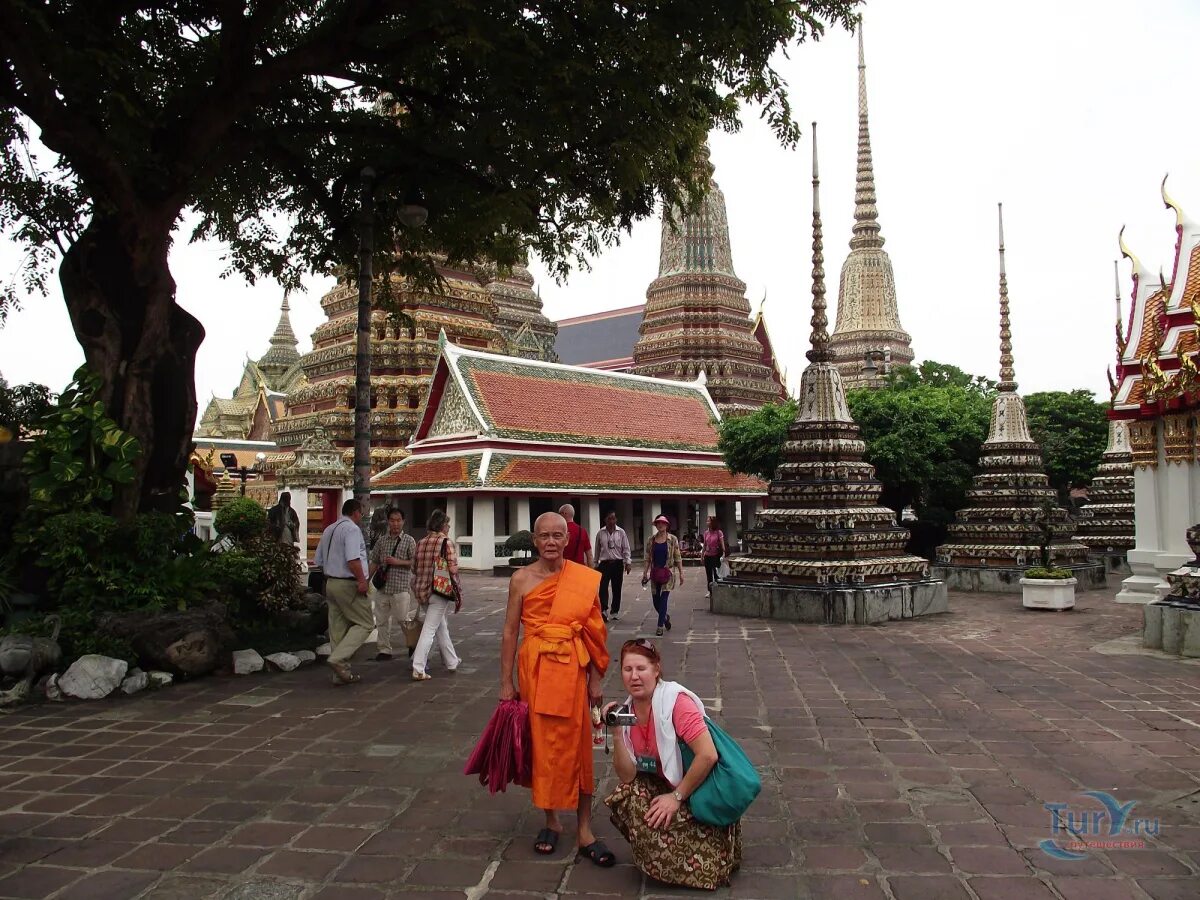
(1048, 593)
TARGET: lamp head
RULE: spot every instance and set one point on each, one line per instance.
(229, 460)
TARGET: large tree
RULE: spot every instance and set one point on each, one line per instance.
(1072, 429)
(548, 125)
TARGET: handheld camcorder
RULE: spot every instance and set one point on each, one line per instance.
(622, 715)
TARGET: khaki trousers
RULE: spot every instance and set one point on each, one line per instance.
(350, 618)
(389, 608)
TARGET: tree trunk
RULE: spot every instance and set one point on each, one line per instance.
(362, 358)
(121, 299)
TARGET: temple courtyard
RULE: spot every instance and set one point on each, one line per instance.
(910, 761)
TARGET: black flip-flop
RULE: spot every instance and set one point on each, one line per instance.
(599, 854)
(548, 837)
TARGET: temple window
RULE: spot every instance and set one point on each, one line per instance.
(414, 399)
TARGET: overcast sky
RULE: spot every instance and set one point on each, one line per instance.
(1068, 111)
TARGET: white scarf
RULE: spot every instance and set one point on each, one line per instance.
(662, 710)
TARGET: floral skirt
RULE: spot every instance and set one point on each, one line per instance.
(688, 853)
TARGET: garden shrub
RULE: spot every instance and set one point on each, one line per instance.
(240, 519)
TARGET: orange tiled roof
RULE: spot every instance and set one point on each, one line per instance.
(416, 472)
(581, 473)
(569, 404)
(1191, 287)
(1155, 304)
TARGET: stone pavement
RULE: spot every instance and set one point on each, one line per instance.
(909, 761)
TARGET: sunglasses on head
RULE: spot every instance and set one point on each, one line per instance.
(644, 643)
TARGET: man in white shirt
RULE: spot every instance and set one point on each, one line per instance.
(342, 554)
(614, 562)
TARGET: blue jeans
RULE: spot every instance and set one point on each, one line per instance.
(660, 598)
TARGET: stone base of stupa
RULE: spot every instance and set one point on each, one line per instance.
(835, 605)
(1114, 562)
(1006, 580)
(1172, 628)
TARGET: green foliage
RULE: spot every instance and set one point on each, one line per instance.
(80, 455)
(241, 519)
(753, 444)
(923, 433)
(23, 407)
(521, 540)
(1072, 429)
(1050, 574)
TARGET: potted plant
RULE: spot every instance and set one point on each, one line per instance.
(1046, 586)
(521, 542)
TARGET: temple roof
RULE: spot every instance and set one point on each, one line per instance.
(601, 340)
(557, 472)
(1156, 347)
(529, 400)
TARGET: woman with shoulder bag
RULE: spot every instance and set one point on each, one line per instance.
(663, 560)
(662, 761)
(435, 586)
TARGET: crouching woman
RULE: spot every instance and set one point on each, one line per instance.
(650, 806)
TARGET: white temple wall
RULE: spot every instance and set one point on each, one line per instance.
(1166, 502)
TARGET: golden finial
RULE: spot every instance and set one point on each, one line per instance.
(1122, 340)
(1127, 253)
(1171, 204)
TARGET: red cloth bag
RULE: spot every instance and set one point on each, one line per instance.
(504, 752)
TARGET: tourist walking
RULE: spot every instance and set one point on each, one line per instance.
(436, 560)
(560, 665)
(663, 560)
(342, 556)
(393, 555)
(579, 545)
(715, 549)
(650, 806)
(614, 561)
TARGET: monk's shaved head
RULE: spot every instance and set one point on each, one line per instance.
(550, 520)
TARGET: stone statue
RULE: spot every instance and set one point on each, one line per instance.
(283, 522)
(26, 657)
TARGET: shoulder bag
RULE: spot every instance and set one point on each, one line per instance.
(443, 580)
(660, 574)
(379, 579)
(730, 787)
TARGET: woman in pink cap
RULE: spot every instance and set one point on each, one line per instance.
(663, 560)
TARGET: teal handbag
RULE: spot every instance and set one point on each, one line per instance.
(730, 787)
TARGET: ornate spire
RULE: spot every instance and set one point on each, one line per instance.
(284, 350)
(284, 337)
(1007, 375)
(866, 212)
(698, 242)
(820, 351)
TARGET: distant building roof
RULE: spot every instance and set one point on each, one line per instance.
(601, 340)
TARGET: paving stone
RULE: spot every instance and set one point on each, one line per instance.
(903, 858)
(447, 872)
(188, 887)
(989, 861)
(113, 884)
(224, 859)
(528, 876)
(1086, 888)
(373, 870)
(844, 887)
(927, 887)
(37, 881)
(308, 865)
(1010, 888)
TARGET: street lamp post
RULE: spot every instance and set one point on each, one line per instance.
(229, 461)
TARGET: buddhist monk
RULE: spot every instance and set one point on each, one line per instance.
(559, 668)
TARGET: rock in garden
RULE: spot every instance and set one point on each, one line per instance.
(324, 650)
(53, 691)
(305, 656)
(135, 681)
(284, 662)
(160, 679)
(92, 677)
(190, 643)
(247, 661)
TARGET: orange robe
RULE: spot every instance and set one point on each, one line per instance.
(564, 633)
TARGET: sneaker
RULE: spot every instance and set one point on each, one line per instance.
(658, 632)
(668, 623)
(614, 617)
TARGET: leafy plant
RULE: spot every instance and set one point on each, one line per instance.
(1071, 427)
(80, 454)
(753, 444)
(241, 519)
(1049, 574)
(23, 407)
(519, 541)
